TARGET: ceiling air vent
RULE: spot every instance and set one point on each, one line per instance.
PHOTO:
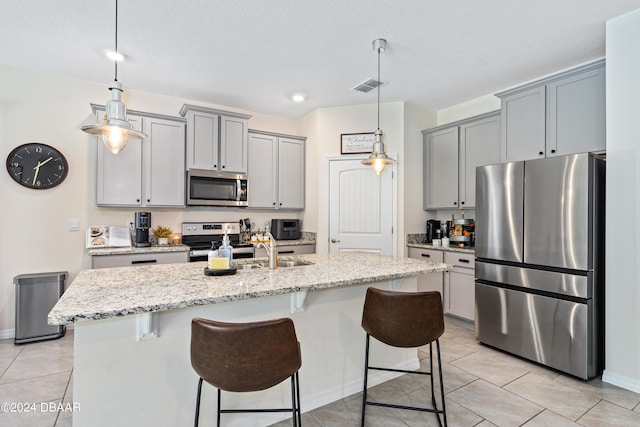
(368, 85)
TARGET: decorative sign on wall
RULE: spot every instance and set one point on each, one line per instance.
(357, 143)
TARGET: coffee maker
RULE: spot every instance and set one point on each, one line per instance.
(433, 225)
(142, 225)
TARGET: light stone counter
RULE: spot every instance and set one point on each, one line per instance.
(115, 292)
(135, 250)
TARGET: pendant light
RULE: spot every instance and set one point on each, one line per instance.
(378, 158)
(116, 129)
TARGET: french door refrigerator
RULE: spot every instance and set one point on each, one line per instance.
(540, 260)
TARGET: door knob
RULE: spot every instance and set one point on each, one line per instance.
(335, 241)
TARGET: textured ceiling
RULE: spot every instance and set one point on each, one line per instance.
(254, 55)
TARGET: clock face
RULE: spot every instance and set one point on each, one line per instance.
(37, 166)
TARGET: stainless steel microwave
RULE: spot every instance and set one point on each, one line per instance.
(213, 188)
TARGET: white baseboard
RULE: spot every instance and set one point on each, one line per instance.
(632, 384)
(7, 333)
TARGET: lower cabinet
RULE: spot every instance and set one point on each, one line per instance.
(287, 250)
(126, 260)
(432, 281)
(459, 285)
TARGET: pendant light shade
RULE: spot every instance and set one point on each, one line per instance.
(115, 129)
(378, 158)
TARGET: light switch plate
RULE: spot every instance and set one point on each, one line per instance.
(74, 224)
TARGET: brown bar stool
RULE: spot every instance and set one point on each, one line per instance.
(404, 319)
(243, 357)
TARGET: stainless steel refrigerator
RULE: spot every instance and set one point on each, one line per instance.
(540, 260)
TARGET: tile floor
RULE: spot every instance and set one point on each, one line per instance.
(483, 387)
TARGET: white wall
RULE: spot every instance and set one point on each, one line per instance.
(623, 198)
(34, 223)
(471, 108)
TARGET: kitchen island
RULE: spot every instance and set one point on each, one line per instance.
(132, 333)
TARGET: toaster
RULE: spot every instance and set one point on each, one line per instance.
(285, 229)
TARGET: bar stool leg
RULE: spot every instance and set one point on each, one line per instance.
(298, 398)
(366, 372)
(219, 407)
(198, 403)
(294, 412)
(444, 409)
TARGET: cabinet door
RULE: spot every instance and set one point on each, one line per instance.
(479, 146)
(119, 176)
(460, 293)
(523, 125)
(441, 169)
(262, 166)
(576, 114)
(233, 144)
(202, 140)
(291, 173)
(164, 172)
(432, 281)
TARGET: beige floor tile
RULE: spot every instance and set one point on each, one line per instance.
(485, 423)
(4, 364)
(454, 377)
(456, 414)
(549, 419)
(375, 415)
(45, 348)
(38, 418)
(606, 414)
(596, 387)
(495, 368)
(9, 349)
(307, 421)
(495, 404)
(65, 419)
(396, 387)
(637, 408)
(36, 390)
(337, 414)
(561, 399)
(21, 370)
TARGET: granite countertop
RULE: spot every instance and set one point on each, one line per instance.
(133, 250)
(442, 248)
(114, 292)
(417, 241)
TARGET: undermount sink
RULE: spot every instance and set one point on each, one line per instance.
(292, 263)
(248, 266)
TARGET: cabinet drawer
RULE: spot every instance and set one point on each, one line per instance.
(105, 261)
(286, 250)
(432, 255)
(461, 261)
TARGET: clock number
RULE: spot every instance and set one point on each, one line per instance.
(38, 149)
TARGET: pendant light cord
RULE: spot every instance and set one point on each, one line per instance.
(116, 61)
(379, 84)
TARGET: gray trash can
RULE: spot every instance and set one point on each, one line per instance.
(36, 294)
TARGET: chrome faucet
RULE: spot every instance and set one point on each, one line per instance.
(272, 252)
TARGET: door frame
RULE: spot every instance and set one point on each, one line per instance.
(394, 194)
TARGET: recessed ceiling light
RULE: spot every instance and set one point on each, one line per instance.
(298, 97)
(113, 55)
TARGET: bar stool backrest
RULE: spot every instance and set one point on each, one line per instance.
(403, 319)
(243, 357)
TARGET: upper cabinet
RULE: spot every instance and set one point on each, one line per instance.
(216, 139)
(276, 171)
(559, 115)
(145, 173)
(451, 154)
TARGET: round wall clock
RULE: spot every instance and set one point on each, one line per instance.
(36, 165)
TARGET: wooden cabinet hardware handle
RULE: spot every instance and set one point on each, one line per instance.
(426, 255)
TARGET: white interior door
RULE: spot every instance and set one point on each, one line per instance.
(361, 211)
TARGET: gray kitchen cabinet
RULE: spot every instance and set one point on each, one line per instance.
(432, 281)
(125, 260)
(459, 285)
(559, 115)
(451, 154)
(284, 250)
(276, 171)
(145, 173)
(216, 139)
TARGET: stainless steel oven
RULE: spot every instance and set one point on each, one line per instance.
(200, 236)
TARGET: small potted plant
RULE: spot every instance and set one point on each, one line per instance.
(162, 234)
